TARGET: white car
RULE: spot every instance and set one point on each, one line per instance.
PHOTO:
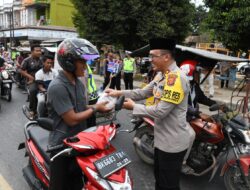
(241, 67)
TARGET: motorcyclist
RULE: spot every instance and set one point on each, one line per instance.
(196, 95)
(29, 67)
(68, 108)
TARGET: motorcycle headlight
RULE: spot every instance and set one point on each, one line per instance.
(5, 75)
(111, 184)
(246, 134)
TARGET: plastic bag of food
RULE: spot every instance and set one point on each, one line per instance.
(104, 97)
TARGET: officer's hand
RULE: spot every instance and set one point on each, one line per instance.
(114, 93)
(101, 107)
(128, 104)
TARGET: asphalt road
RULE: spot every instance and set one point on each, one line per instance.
(12, 160)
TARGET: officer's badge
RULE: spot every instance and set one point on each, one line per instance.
(171, 79)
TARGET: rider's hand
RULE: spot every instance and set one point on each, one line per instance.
(101, 107)
(128, 104)
(114, 93)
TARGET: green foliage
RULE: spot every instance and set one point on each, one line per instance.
(230, 20)
(130, 23)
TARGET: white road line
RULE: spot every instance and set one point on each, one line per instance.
(4, 184)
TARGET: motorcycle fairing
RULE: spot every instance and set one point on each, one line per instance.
(207, 131)
(97, 140)
(149, 121)
(244, 161)
(38, 163)
(85, 162)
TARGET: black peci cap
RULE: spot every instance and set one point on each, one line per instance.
(162, 43)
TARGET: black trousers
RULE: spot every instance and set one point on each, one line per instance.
(91, 121)
(116, 82)
(167, 169)
(128, 80)
(33, 90)
(65, 174)
(106, 80)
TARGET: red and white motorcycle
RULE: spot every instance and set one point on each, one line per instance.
(103, 167)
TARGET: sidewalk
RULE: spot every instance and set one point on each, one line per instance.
(221, 95)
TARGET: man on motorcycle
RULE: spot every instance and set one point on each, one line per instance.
(170, 90)
(196, 95)
(29, 67)
(67, 106)
(43, 78)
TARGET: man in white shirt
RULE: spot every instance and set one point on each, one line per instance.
(43, 77)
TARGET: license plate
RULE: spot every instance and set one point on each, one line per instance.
(112, 163)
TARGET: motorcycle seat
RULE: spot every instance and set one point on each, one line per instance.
(40, 137)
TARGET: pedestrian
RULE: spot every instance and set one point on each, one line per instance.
(43, 78)
(224, 73)
(29, 67)
(109, 67)
(209, 81)
(171, 131)
(129, 70)
(68, 109)
(116, 74)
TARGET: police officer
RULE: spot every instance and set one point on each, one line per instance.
(129, 69)
(92, 95)
(68, 108)
(170, 90)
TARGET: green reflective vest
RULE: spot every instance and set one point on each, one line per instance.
(128, 64)
(92, 90)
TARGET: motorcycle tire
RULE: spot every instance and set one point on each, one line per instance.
(8, 94)
(139, 134)
(233, 180)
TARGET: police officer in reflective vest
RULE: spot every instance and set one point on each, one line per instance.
(92, 95)
(129, 69)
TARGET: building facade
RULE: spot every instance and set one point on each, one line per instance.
(35, 20)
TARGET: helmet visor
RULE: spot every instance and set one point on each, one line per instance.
(89, 57)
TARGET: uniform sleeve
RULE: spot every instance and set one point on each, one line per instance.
(157, 111)
(140, 94)
(59, 99)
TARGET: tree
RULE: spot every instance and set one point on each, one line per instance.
(131, 23)
(230, 20)
(198, 23)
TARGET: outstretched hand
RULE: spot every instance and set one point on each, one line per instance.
(128, 104)
(101, 107)
(114, 93)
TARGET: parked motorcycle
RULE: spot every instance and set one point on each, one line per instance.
(214, 141)
(6, 82)
(103, 167)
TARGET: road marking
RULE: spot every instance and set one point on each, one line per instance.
(3, 184)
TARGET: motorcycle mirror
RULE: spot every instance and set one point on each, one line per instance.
(214, 107)
(119, 103)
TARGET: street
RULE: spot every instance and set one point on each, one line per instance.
(12, 160)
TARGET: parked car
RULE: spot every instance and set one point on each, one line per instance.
(241, 67)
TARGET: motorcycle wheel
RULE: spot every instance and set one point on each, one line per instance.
(146, 135)
(8, 94)
(233, 180)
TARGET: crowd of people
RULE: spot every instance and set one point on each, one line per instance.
(71, 102)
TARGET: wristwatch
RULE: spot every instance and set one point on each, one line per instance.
(94, 109)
